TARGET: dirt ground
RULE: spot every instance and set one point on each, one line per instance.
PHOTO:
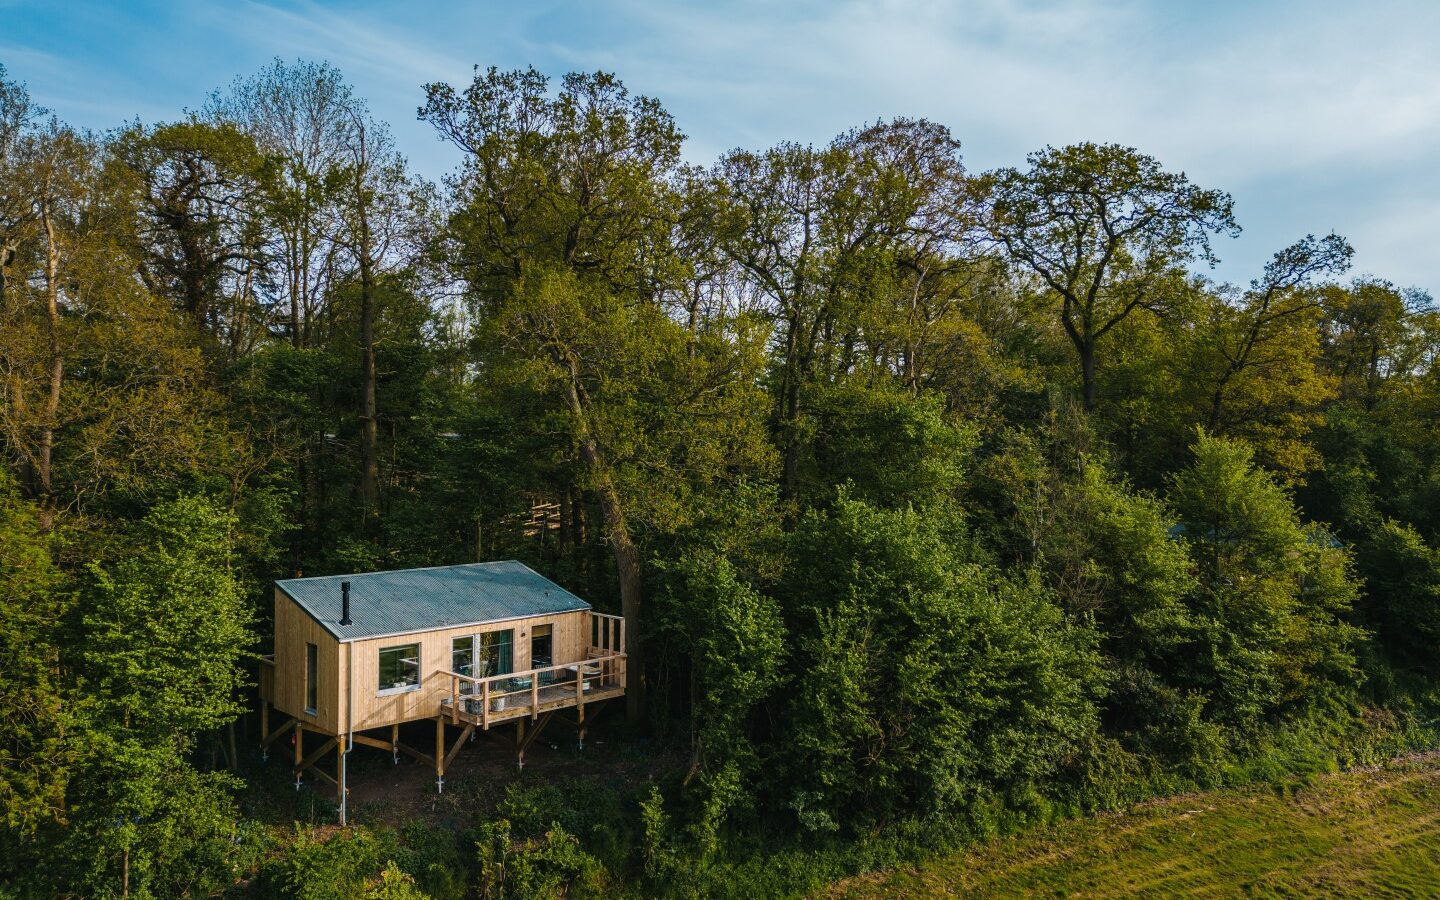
(383, 792)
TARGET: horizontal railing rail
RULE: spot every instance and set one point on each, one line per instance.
(602, 671)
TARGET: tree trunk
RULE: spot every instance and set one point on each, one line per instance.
(622, 545)
(370, 429)
(44, 457)
(1087, 373)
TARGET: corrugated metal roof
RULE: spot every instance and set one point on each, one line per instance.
(410, 600)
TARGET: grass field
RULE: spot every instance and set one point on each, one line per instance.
(1364, 833)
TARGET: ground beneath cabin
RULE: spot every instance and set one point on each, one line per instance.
(386, 793)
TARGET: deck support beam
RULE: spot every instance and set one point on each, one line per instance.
(523, 740)
(439, 755)
(299, 750)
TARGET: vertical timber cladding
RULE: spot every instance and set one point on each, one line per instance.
(294, 628)
(373, 709)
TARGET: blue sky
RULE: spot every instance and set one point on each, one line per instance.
(1315, 115)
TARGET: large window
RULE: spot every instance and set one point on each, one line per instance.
(312, 678)
(496, 653)
(400, 667)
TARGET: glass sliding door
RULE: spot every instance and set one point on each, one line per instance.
(495, 652)
(542, 651)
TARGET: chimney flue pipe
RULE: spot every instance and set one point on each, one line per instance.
(344, 603)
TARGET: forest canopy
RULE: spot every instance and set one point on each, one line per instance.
(928, 495)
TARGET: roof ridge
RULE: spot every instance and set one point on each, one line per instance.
(488, 562)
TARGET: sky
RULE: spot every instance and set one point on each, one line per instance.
(1316, 116)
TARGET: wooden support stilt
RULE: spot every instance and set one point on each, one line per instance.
(299, 750)
(264, 729)
(395, 744)
(439, 754)
(340, 778)
(580, 705)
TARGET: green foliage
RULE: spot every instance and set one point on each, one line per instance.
(550, 866)
(140, 817)
(932, 683)
(1402, 603)
(888, 445)
(35, 754)
(1273, 596)
(394, 885)
(342, 865)
(167, 627)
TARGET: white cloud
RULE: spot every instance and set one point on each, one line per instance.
(1314, 114)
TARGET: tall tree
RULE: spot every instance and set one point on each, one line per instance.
(304, 115)
(1102, 227)
(563, 233)
(17, 205)
(826, 237)
(198, 200)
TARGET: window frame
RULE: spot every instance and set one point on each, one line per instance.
(382, 691)
(312, 679)
(500, 641)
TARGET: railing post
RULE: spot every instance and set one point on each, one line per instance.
(454, 698)
(534, 694)
(485, 704)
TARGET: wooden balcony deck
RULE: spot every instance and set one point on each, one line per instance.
(532, 693)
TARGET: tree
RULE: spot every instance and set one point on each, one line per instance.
(168, 626)
(1257, 361)
(562, 233)
(1103, 227)
(382, 215)
(304, 115)
(853, 249)
(36, 712)
(1273, 596)
(18, 114)
(198, 198)
(59, 166)
(932, 682)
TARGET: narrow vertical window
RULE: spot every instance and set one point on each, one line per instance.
(312, 678)
(462, 655)
(462, 660)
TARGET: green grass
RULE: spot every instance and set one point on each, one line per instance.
(1370, 833)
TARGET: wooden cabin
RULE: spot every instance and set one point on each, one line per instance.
(469, 647)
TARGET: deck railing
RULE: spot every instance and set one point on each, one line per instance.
(607, 634)
(501, 696)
